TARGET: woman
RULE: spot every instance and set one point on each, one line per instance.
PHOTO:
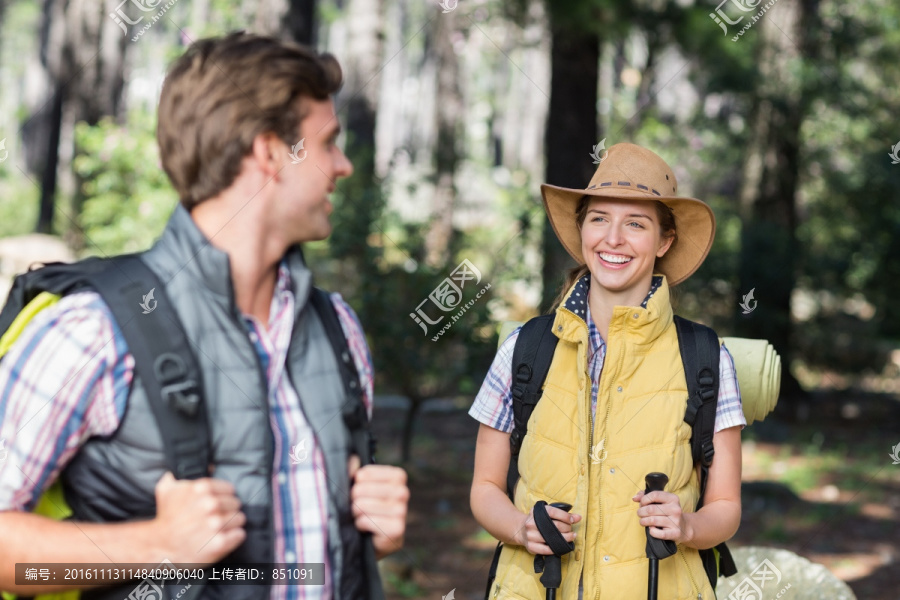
(613, 403)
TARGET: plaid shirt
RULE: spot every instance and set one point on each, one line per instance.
(67, 378)
(493, 405)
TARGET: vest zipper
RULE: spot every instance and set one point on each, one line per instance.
(606, 453)
(687, 567)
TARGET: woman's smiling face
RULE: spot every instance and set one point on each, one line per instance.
(620, 241)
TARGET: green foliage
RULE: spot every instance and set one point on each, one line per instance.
(128, 198)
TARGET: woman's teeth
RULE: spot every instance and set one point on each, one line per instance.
(614, 258)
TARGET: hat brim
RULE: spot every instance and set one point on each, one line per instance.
(695, 226)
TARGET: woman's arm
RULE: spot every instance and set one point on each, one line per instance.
(720, 516)
(494, 510)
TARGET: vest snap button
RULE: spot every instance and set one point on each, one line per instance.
(559, 328)
(635, 315)
(606, 558)
(613, 471)
(619, 389)
(577, 555)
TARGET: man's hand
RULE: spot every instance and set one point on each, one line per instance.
(378, 499)
(198, 520)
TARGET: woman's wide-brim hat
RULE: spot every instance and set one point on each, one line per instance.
(630, 172)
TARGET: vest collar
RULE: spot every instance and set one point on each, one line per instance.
(648, 320)
(184, 243)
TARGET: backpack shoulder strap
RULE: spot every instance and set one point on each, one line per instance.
(699, 346)
(163, 359)
(531, 360)
(354, 410)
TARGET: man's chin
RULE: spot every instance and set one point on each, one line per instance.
(320, 233)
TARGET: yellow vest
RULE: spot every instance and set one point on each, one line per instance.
(597, 464)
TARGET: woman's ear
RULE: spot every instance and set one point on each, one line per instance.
(664, 245)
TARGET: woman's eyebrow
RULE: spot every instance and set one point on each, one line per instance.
(603, 212)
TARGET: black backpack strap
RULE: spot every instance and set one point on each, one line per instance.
(699, 346)
(56, 278)
(356, 419)
(531, 360)
(354, 410)
(163, 360)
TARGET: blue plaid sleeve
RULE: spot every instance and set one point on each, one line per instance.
(729, 410)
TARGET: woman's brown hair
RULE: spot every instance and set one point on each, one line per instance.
(666, 227)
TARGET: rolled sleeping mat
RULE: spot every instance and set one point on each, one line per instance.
(758, 369)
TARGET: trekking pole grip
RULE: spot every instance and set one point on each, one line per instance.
(655, 482)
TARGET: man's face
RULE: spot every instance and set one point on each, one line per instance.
(310, 173)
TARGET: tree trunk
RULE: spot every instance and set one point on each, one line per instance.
(359, 202)
(299, 22)
(768, 200)
(448, 117)
(409, 423)
(571, 133)
(82, 56)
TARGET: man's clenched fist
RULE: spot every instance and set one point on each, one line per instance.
(379, 499)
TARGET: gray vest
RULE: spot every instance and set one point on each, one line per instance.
(113, 479)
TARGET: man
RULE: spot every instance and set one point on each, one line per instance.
(231, 114)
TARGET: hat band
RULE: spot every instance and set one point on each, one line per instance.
(624, 185)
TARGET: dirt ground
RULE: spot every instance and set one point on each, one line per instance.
(824, 488)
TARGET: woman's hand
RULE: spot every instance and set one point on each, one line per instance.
(661, 512)
(529, 536)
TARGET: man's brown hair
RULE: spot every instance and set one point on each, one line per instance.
(222, 93)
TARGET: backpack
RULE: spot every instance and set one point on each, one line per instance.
(699, 348)
(163, 358)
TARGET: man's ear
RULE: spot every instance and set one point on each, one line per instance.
(268, 152)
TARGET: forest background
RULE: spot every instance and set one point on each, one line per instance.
(780, 115)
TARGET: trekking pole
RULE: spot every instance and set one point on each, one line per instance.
(656, 548)
(551, 565)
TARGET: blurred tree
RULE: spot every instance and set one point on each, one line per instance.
(288, 19)
(448, 123)
(360, 202)
(82, 56)
(768, 195)
(571, 123)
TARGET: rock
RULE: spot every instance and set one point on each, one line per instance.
(777, 574)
